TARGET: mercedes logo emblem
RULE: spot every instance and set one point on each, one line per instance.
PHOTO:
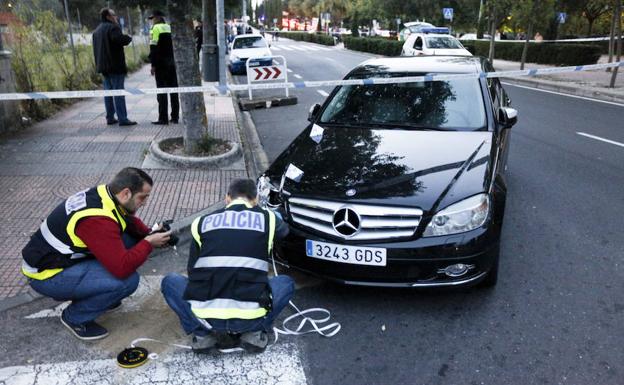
(346, 222)
(350, 192)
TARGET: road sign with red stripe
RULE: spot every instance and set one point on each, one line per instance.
(272, 72)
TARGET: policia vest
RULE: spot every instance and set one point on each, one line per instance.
(228, 276)
(55, 245)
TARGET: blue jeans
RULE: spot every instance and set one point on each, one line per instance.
(115, 82)
(173, 286)
(90, 287)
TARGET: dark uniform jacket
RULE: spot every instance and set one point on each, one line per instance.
(161, 46)
(108, 49)
(229, 262)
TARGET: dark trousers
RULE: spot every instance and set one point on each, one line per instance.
(166, 77)
(115, 104)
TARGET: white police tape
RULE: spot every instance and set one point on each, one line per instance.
(215, 89)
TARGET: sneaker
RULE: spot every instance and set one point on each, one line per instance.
(114, 307)
(203, 344)
(88, 331)
(254, 342)
(127, 123)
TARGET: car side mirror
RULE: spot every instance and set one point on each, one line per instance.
(508, 116)
(313, 112)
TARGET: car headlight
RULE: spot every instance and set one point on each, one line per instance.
(268, 195)
(462, 216)
(233, 58)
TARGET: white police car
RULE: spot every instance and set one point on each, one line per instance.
(433, 41)
(246, 46)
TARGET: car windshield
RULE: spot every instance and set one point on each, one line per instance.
(448, 105)
(249, 42)
(442, 42)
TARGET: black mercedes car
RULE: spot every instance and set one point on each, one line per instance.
(398, 184)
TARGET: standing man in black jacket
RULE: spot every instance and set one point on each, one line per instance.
(110, 61)
(163, 67)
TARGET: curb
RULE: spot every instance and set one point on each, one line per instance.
(18, 300)
(201, 161)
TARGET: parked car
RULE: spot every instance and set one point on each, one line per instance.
(246, 46)
(420, 43)
(398, 184)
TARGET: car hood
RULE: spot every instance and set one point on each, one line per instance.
(251, 52)
(425, 169)
(450, 52)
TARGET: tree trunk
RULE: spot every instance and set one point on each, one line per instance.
(187, 68)
(590, 26)
(618, 33)
(492, 38)
(526, 44)
(611, 40)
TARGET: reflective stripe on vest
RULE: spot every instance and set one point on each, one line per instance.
(33, 273)
(195, 231)
(271, 229)
(222, 308)
(106, 211)
(157, 29)
(246, 262)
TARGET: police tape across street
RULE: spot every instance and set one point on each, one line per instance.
(215, 89)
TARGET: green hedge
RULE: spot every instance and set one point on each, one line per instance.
(319, 38)
(378, 46)
(562, 54)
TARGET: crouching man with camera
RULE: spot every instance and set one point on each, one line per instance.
(88, 249)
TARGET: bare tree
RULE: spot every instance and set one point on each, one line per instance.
(618, 33)
(187, 68)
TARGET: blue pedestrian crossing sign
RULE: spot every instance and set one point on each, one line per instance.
(561, 16)
(448, 13)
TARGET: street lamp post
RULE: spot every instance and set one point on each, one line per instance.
(209, 49)
(71, 36)
(221, 42)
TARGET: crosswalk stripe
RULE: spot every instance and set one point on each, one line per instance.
(323, 93)
(287, 48)
(298, 48)
(275, 48)
(279, 364)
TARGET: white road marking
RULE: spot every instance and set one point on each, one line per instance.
(298, 76)
(287, 48)
(562, 94)
(279, 364)
(601, 139)
(324, 49)
(289, 70)
(323, 93)
(298, 48)
(330, 59)
(148, 285)
(275, 48)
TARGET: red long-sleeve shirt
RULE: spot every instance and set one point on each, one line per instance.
(102, 237)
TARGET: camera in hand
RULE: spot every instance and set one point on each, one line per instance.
(173, 239)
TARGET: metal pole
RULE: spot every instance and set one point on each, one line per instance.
(221, 42)
(209, 48)
(244, 13)
(131, 33)
(71, 37)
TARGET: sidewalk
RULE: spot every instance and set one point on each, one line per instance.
(75, 149)
(591, 84)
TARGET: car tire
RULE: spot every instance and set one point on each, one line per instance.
(491, 277)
